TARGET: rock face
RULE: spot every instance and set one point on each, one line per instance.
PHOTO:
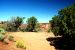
(44, 26)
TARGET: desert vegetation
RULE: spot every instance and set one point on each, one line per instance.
(32, 21)
(4, 37)
(20, 44)
(60, 33)
(63, 25)
(14, 23)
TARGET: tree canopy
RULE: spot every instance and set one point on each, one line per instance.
(31, 24)
(14, 23)
(64, 24)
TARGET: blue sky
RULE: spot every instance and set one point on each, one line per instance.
(43, 10)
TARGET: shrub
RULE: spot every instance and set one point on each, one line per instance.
(14, 23)
(20, 44)
(5, 38)
(37, 27)
(2, 34)
(11, 38)
(1, 37)
(3, 26)
(2, 31)
(21, 29)
(49, 30)
(32, 21)
(64, 25)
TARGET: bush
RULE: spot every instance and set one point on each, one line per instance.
(14, 23)
(1, 37)
(37, 27)
(23, 30)
(20, 44)
(2, 31)
(64, 25)
(49, 30)
(11, 38)
(2, 34)
(3, 26)
(32, 21)
(4, 38)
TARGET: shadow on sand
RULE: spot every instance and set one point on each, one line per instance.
(62, 43)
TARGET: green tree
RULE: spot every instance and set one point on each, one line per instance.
(64, 25)
(14, 23)
(32, 21)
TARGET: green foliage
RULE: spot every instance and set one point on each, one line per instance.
(64, 24)
(49, 30)
(18, 21)
(1, 37)
(11, 38)
(20, 44)
(14, 23)
(3, 26)
(37, 27)
(55, 22)
(2, 33)
(22, 29)
(32, 21)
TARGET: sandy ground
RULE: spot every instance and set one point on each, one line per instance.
(35, 41)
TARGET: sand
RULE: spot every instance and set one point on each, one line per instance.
(34, 40)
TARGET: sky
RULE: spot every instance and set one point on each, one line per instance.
(43, 10)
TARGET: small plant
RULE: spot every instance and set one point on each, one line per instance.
(20, 44)
(2, 34)
(11, 38)
(1, 37)
(2, 31)
(49, 30)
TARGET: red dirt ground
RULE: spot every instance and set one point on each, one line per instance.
(33, 41)
(9, 46)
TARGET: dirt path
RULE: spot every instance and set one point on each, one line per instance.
(35, 41)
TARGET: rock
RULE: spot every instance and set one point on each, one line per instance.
(6, 41)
